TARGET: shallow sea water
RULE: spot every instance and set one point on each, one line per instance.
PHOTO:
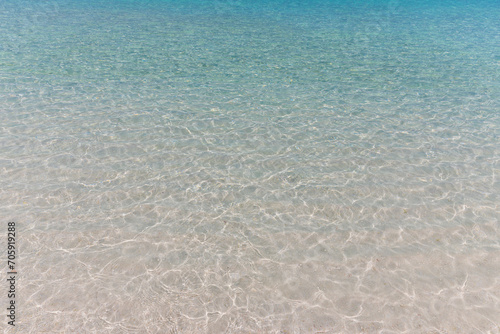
(252, 167)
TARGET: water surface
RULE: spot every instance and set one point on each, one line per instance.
(252, 167)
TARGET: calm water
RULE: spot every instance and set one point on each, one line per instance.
(252, 166)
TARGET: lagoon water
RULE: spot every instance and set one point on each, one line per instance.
(252, 166)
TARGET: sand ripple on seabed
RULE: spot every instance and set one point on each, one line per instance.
(240, 280)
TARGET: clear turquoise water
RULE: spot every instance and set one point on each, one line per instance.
(252, 167)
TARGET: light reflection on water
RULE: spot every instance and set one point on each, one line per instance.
(229, 167)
